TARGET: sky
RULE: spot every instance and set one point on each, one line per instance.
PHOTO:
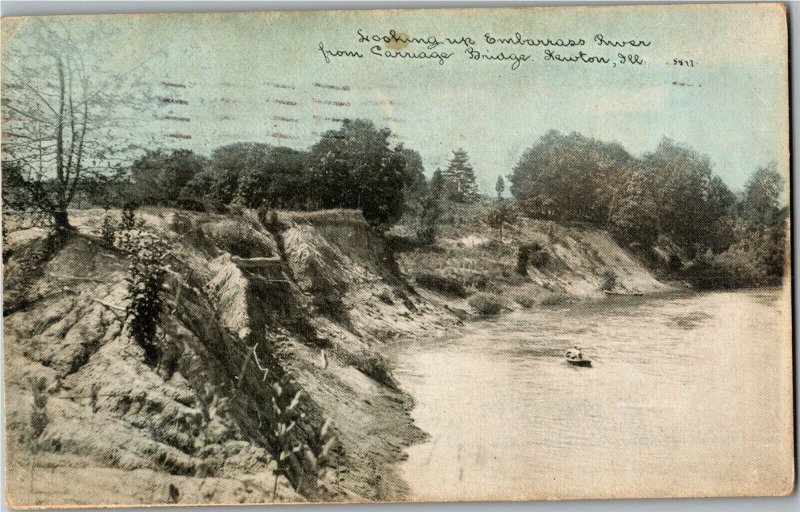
(262, 77)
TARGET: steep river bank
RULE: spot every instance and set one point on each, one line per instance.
(690, 394)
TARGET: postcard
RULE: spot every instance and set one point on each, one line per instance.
(396, 256)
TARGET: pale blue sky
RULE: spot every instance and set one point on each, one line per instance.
(231, 64)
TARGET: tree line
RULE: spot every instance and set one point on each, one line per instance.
(665, 204)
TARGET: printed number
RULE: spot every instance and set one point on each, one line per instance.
(683, 62)
(630, 59)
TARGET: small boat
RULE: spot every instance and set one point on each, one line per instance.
(575, 358)
(587, 363)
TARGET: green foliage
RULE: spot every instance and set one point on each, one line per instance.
(531, 253)
(428, 219)
(668, 197)
(318, 456)
(459, 179)
(609, 281)
(159, 176)
(569, 177)
(762, 192)
(487, 303)
(107, 231)
(283, 439)
(355, 167)
(555, 299)
(444, 285)
(501, 214)
(500, 187)
(252, 174)
(128, 221)
(301, 458)
(147, 252)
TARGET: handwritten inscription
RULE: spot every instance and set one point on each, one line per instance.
(513, 50)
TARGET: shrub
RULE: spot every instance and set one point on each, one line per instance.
(317, 451)
(128, 221)
(533, 253)
(526, 301)
(107, 231)
(181, 224)
(146, 275)
(539, 259)
(443, 285)
(486, 303)
(555, 299)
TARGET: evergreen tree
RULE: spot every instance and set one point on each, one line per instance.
(500, 187)
(436, 185)
(459, 178)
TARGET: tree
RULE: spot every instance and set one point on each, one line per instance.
(570, 177)
(681, 179)
(500, 187)
(459, 179)
(502, 213)
(61, 112)
(761, 194)
(158, 176)
(355, 167)
(436, 184)
(634, 215)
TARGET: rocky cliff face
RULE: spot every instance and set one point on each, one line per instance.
(314, 295)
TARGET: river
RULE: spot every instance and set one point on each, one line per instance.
(689, 395)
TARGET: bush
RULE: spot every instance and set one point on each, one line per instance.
(443, 285)
(486, 303)
(530, 253)
(539, 259)
(555, 299)
(107, 231)
(181, 224)
(147, 272)
(526, 301)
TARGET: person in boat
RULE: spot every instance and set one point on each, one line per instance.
(574, 353)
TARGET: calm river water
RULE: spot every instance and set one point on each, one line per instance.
(690, 394)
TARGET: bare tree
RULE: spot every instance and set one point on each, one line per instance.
(63, 117)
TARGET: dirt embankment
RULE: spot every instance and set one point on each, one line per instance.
(318, 295)
(564, 263)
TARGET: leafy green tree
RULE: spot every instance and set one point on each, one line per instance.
(355, 167)
(253, 173)
(159, 176)
(761, 195)
(436, 183)
(634, 215)
(570, 177)
(681, 180)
